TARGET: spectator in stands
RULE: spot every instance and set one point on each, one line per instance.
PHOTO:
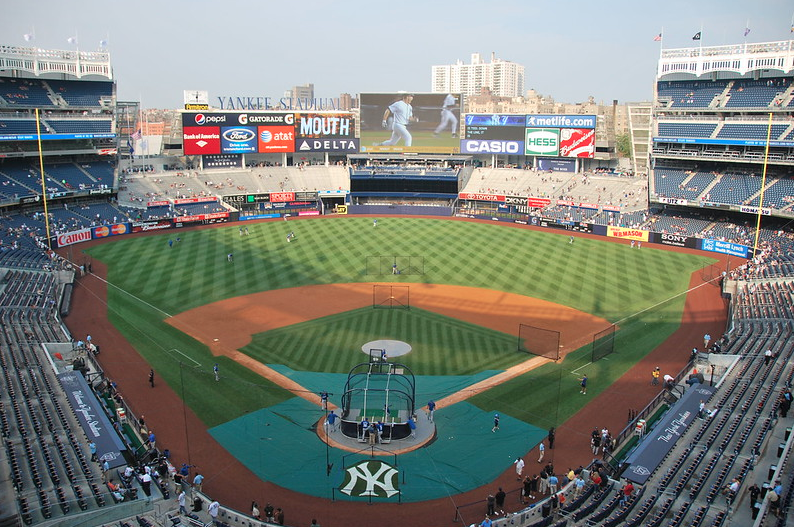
(669, 381)
(500, 500)
(628, 490)
(213, 509)
(92, 448)
(197, 481)
(279, 516)
(754, 491)
(181, 500)
(255, 510)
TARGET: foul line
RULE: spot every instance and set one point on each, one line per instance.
(665, 301)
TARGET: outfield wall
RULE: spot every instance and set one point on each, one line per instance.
(623, 233)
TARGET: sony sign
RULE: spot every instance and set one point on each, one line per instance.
(479, 146)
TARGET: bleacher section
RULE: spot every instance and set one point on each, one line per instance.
(750, 131)
(22, 178)
(24, 92)
(755, 93)
(83, 93)
(687, 129)
(690, 94)
(77, 126)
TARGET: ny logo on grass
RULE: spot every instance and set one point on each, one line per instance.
(370, 478)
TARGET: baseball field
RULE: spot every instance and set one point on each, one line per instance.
(303, 309)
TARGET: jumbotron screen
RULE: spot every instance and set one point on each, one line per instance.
(422, 123)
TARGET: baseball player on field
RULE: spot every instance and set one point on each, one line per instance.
(402, 113)
(448, 119)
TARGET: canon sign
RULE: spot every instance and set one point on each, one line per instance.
(478, 146)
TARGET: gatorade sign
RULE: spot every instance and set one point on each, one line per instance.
(542, 142)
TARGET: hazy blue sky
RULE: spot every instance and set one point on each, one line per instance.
(571, 48)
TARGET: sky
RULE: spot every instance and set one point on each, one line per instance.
(571, 49)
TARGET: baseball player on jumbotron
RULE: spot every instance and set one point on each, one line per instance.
(448, 119)
(402, 113)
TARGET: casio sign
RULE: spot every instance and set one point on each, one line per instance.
(492, 147)
(238, 135)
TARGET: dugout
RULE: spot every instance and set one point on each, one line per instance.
(380, 391)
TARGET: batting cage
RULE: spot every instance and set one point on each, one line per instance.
(603, 343)
(378, 391)
(382, 265)
(391, 297)
(539, 341)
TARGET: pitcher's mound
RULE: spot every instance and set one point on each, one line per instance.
(394, 348)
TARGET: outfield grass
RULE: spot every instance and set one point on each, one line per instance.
(151, 281)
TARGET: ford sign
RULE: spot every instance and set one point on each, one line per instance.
(238, 135)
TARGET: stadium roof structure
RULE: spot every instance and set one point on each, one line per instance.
(55, 64)
(734, 59)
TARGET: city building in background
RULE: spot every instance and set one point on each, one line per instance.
(502, 77)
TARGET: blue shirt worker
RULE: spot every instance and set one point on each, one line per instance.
(331, 419)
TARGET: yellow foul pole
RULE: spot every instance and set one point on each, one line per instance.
(763, 186)
(43, 183)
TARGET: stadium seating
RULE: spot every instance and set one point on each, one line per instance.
(755, 93)
(82, 93)
(690, 94)
(686, 129)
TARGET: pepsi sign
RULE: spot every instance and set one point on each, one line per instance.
(238, 139)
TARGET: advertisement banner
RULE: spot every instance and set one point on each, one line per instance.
(560, 121)
(673, 201)
(110, 230)
(518, 201)
(476, 146)
(495, 127)
(480, 197)
(674, 240)
(577, 142)
(282, 196)
(325, 125)
(351, 145)
(204, 219)
(538, 203)
(152, 225)
(92, 418)
(556, 164)
(198, 141)
(70, 238)
(238, 140)
(182, 201)
(417, 123)
(276, 139)
(754, 210)
(542, 142)
(628, 234)
(717, 246)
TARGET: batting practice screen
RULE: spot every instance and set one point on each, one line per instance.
(603, 343)
(539, 341)
(381, 265)
(391, 296)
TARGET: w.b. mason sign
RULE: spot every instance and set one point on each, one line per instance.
(370, 478)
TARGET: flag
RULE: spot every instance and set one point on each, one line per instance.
(129, 145)
(72, 40)
(103, 44)
(746, 31)
(29, 37)
(697, 35)
(657, 38)
(137, 135)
